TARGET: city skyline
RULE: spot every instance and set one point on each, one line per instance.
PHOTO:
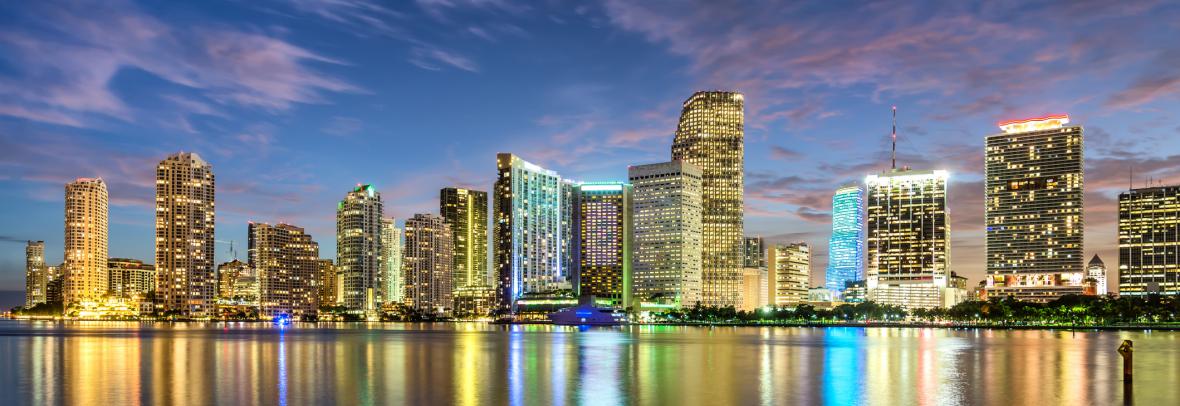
(111, 131)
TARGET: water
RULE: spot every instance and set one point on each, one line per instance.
(122, 363)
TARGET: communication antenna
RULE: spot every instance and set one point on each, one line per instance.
(893, 154)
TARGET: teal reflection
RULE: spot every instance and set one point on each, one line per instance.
(843, 365)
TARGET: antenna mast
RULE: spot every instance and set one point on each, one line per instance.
(893, 154)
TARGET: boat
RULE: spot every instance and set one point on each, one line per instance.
(586, 313)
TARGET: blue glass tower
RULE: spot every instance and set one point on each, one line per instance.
(846, 248)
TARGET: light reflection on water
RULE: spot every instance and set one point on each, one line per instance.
(117, 363)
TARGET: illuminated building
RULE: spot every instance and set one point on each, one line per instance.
(603, 227)
(286, 261)
(908, 239)
(753, 289)
(130, 278)
(666, 214)
(391, 260)
(846, 248)
(467, 213)
(854, 292)
(36, 274)
(1033, 198)
(185, 278)
(754, 252)
(710, 135)
(236, 283)
(474, 301)
(429, 258)
(1149, 241)
(358, 250)
(53, 284)
(530, 205)
(790, 273)
(1096, 270)
(85, 267)
(327, 287)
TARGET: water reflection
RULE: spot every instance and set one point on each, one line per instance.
(474, 364)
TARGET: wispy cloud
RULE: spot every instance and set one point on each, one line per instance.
(435, 59)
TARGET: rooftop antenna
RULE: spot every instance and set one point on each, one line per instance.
(893, 155)
(1131, 178)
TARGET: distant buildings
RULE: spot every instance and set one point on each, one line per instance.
(1149, 241)
(1033, 196)
(428, 264)
(237, 283)
(391, 260)
(753, 252)
(185, 278)
(36, 273)
(755, 274)
(130, 278)
(466, 211)
(666, 212)
(358, 250)
(286, 260)
(603, 239)
(710, 135)
(531, 206)
(1096, 270)
(85, 266)
(846, 248)
(790, 273)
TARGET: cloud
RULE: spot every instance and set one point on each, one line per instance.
(784, 154)
(351, 14)
(435, 59)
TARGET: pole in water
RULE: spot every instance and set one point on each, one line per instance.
(1127, 351)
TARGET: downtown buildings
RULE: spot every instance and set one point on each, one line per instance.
(790, 274)
(466, 211)
(429, 263)
(130, 278)
(391, 260)
(530, 235)
(1149, 241)
(36, 273)
(286, 261)
(666, 217)
(846, 247)
(603, 241)
(84, 271)
(358, 250)
(185, 278)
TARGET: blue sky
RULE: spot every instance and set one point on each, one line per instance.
(295, 102)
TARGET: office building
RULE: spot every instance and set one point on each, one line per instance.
(428, 264)
(603, 231)
(1096, 271)
(85, 267)
(36, 274)
(666, 214)
(1149, 241)
(391, 260)
(790, 273)
(467, 213)
(358, 250)
(286, 260)
(185, 277)
(710, 135)
(130, 278)
(846, 247)
(531, 205)
(328, 285)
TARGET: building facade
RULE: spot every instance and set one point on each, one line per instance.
(85, 266)
(531, 206)
(1033, 195)
(328, 286)
(603, 228)
(466, 211)
(36, 274)
(130, 278)
(846, 247)
(666, 215)
(232, 276)
(790, 273)
(358, 250)
(710, 135)
(1149, 241)
(185, 277)
(1096, 270)
(429, 258)
(391, 260)
(286, 260)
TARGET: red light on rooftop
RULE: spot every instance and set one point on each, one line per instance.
(1029, 120)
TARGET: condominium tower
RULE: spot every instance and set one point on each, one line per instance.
(846, 248)
(1149, 241)
(531, 207)
(286, 260)
(1033, 195)
(391, 260)
(603, 229)
(85, 266)
(790, 273)
(428, 264)
(710, 135)
(666, 213)
(466, 211)
(36, 274)
(130, 278)
(358, 249)
(908, 238)
(328, 286)
(185, 277)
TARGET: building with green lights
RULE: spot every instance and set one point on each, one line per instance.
(466, 211)
(358, 250)
(391, 260)
(603, 231)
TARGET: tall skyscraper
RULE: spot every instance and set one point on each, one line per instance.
(528, 233)
(328, 285)
(1149, 241)
(185, 278)
(790, 266)
(467, 213)
(603, 230)
(85, 267)
(391, 260)
(358, 249)
(286, 260)
(428, 264)
(908, 239)
(711, 135)
(36, 274)
(666, 213)
(1033, 198)
(846, 248)
(130, 278)
(1096, 270)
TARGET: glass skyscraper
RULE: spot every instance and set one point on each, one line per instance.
(1149, 241)
(530, 230)
(846, 248)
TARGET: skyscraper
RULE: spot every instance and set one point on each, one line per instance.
(358, 249)
(428, 264)
(1096, 270)
(185, 278)
(846, 248)
(666, 212)
(603, 232)
(328, 285)
(467, 213)
(391, 260)
(908, 239)
(36, 274)
(286, 260)
(790, 266)
(1033, 211)
(528, 235)
(711, 135)
(1149, 241)
(130, 278)
(85, 266)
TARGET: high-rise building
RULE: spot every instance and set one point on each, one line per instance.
(185, 277)
(328, 286)
(754, 252)
(603, 231)
(130, 278)
(85, 266)
(755, 274)
(790, 273)
(36, 274)
(908, 239)
(1096, 270)
(232, 277)
(358, 250)
(428, 264)
(666, 212)
(1149, 241)
(467, 213)
(391, 260)
(286, 260)
(53, 284)
(1033, 198)
(528, 235)
(846, 248)
(711, 135)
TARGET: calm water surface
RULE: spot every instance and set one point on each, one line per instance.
(118, 363)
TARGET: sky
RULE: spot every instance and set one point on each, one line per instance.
(295, 102)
